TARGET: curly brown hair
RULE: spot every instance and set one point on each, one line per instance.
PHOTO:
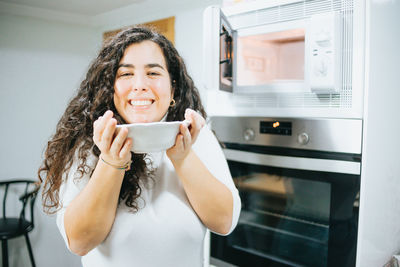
(94, 97)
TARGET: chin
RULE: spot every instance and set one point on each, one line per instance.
(139, 119)
(136, 117)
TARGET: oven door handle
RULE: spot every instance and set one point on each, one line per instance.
(308, 164)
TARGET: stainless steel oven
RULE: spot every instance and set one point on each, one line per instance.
(299, 182)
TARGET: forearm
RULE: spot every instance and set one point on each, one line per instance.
(211, 199)
(89, 217)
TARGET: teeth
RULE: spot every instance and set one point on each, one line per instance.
(141, 102)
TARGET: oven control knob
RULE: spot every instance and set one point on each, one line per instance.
(303, 138)
(249, 134)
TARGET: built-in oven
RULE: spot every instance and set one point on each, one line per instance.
(299, 183)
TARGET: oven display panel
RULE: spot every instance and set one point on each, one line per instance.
(276, 127)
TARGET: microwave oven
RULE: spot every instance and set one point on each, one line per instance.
(285, 58)
(298, 55)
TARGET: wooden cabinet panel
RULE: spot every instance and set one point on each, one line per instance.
(164, 26)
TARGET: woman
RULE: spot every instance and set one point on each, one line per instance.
(117, 208)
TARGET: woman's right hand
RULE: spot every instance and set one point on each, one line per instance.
(115, 148)
(90, 215)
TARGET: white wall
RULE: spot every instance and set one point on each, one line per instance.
(41, 64)
(379, 230)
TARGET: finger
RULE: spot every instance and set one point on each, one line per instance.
(178, 146)
(96, 136)
(118, 141)
(108, 134)
(106, 117)
(188, 114)
(197, 123)
(187, 138)
(189, 118)
(102, 122)
(126, 149)
(198, 120)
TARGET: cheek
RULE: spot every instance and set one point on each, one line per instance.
(121, 87)
(164, 90)
(117, 102)
(121, 90)
(119, 95)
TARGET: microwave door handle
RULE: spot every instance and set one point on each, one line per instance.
(223, 33)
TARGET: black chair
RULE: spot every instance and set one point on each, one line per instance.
(11, 227)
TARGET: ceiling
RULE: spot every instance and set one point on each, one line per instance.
(98, 13)
(80, 7)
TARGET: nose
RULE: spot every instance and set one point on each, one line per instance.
(139, 83)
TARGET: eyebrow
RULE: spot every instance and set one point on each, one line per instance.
(150, 65)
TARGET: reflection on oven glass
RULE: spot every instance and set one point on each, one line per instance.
(284, 217)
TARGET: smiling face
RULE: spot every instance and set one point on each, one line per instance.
(142, 88)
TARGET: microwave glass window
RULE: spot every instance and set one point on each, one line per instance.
(271, 58)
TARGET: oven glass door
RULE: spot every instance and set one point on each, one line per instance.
(291, 217)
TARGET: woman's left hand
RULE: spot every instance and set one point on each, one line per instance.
(187, 136)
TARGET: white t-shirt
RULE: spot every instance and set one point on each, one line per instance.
(165, 231)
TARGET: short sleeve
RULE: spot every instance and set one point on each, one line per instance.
(209, 151)
(72, 185)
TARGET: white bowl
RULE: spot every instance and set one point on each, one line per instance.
(153, 136)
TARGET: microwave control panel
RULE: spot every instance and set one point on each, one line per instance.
(324, 40)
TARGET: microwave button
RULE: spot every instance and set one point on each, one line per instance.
(321, 66)
(323, 38)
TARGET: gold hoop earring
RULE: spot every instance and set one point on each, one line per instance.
(172, 103)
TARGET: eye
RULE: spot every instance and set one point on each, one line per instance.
(125, 75)
(152, 73)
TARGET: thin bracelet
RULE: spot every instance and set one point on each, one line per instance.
(125, 167)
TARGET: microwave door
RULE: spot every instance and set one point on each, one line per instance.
(226, 54)
(218, 50)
